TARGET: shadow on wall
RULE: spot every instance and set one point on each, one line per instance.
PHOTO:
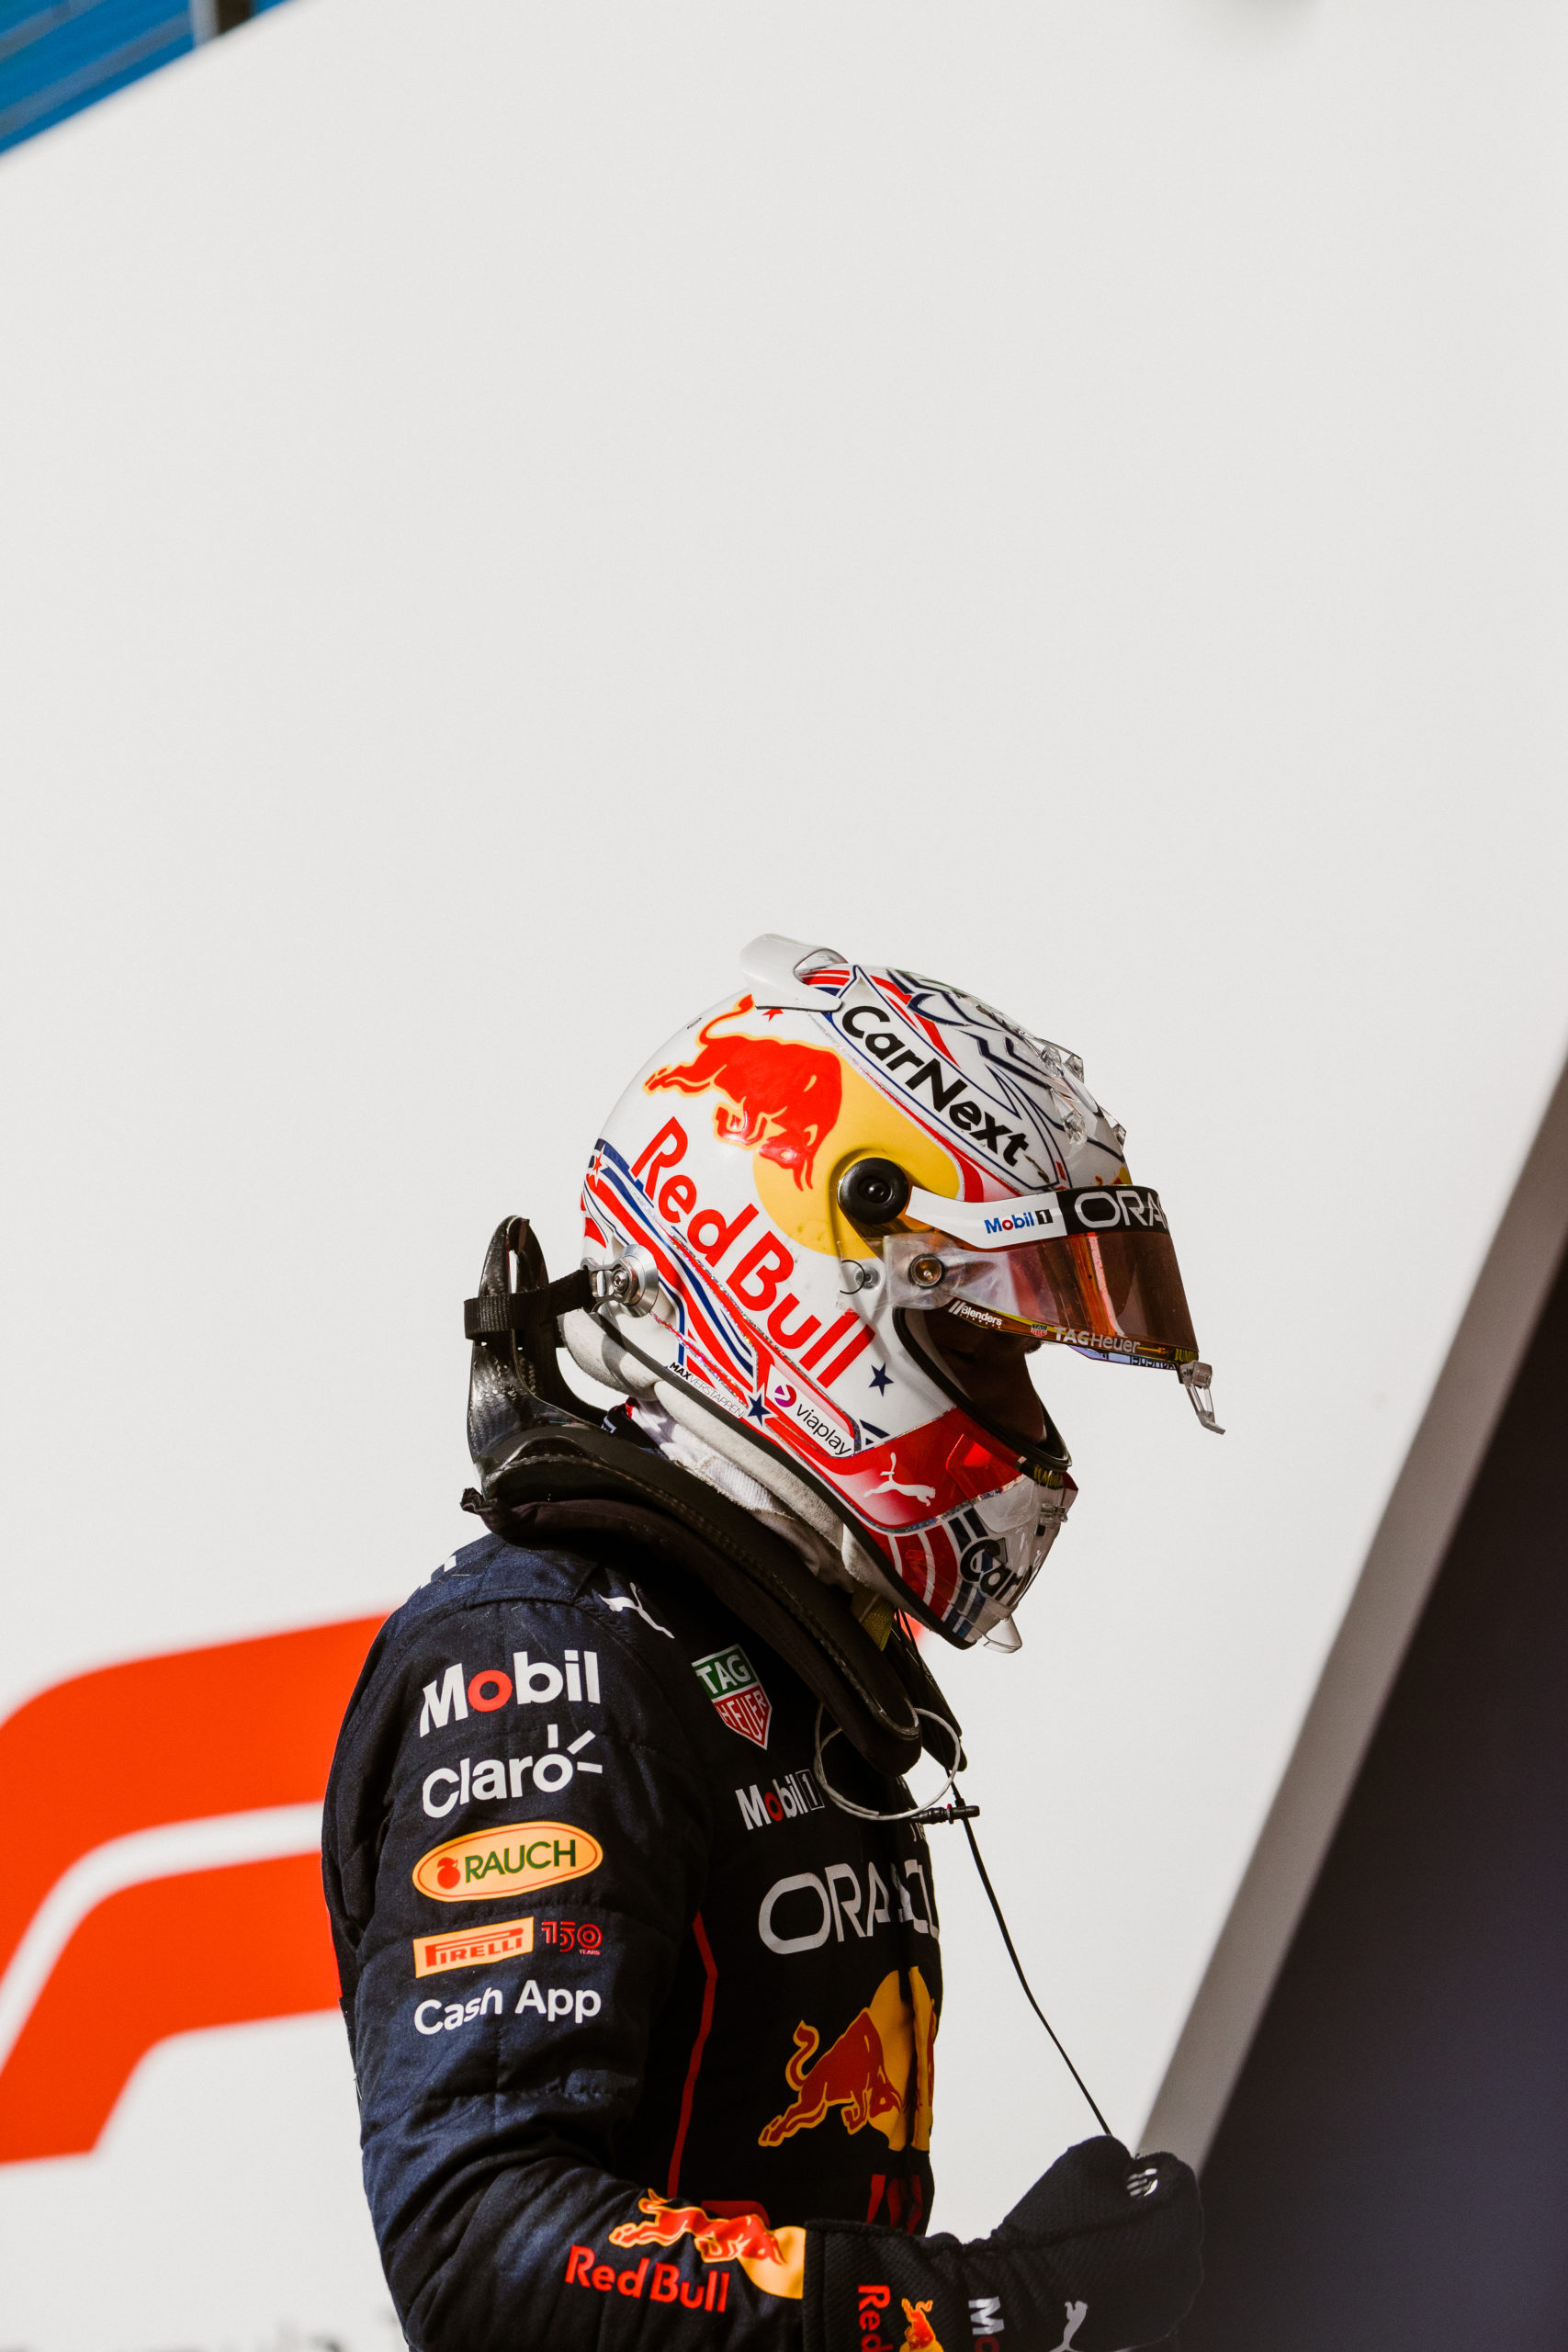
(1385, 2178)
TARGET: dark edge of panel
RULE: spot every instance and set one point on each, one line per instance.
(1406, 1551)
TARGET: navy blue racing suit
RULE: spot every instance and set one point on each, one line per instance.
(631, 2004)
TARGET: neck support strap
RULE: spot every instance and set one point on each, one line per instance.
(549, 1467)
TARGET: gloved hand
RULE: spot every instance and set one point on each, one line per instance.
(1101, 2254)
(1115, 2237)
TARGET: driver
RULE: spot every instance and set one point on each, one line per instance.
(632, 1907)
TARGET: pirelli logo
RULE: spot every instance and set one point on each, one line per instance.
(476, 1948)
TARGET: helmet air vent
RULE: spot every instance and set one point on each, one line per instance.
(779, 970)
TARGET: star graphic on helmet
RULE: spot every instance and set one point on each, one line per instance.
(754, 1410)
(881, 1377)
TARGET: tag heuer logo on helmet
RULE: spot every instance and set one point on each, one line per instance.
(737, 1694)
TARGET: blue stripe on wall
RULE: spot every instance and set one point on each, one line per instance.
(58, 56)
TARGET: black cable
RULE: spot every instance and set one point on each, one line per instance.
(1018, 1964)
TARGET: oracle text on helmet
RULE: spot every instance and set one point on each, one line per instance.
(1102, 1210)
(532, 1682)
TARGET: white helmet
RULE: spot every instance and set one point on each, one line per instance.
(836, 1214)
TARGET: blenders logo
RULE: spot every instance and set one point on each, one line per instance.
(934, 1084)
(492, 1863)
(737, 1694)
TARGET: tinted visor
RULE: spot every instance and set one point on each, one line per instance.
(1106, 1282)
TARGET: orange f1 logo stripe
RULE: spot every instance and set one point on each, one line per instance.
(220, 1947)
(239, 1728)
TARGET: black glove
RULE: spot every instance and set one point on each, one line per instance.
(1101, 2254)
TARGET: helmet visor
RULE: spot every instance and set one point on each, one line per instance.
(1093, 1268)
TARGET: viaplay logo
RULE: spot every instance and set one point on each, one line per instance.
(189, 1893)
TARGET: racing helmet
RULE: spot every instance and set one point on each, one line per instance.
(829, 1223)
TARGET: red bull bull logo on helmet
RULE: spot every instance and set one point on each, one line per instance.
(785, 1097)
(881, 2071)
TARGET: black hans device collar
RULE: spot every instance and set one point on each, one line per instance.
(549, 1467)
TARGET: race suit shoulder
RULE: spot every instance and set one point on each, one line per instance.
(629, 2002)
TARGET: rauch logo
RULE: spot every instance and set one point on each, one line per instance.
(490, 1863)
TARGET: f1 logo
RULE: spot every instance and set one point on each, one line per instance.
(186, 1892)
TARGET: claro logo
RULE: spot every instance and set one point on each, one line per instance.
(189, 1893)
(490, 1863)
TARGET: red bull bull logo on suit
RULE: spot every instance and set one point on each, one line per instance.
(773, 2259)
(919, 2333)
(880, 2070)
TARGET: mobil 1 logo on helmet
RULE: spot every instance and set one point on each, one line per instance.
(537, 1681)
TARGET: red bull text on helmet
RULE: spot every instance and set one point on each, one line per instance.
(769, 1309)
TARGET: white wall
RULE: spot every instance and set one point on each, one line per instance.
(498, 505)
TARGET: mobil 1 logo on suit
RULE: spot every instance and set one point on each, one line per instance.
(791, 1795)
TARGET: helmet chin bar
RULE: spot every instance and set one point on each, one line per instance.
(1048, 1453)
(792, 1485)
